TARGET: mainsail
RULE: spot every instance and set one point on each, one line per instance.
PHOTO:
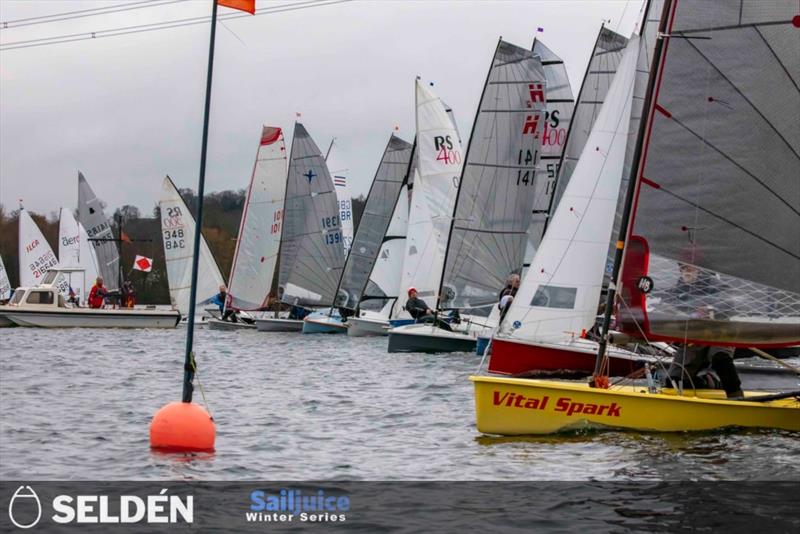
(712, 254)
(600, 73)
(557, 120)
(435, 185)
(76, 252)
(489, 230)
(561, 290)
(373, 237)
(312, 254)
(260, 229)
(339, 174)
(35, 255)
(177, 229)
(5, 284)
(98, 228)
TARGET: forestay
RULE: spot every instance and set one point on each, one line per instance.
(712, 254)
(98, 228)
(383, 210)
(435, 185)
(489, 230)
(561, 290)
(259, 239)
(177, 232)
(35, 255)
(557, 119)
(75, 252)
(312, 253)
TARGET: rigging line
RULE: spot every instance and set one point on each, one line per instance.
(114, 32)
(29, 21)
(735, 163)
(752, 105)
(728, 221)
(791, 79)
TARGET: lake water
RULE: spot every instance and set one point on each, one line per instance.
(77, 404)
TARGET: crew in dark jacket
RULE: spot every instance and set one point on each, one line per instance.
(419, 310)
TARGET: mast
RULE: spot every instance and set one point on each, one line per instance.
(461, 177)
(569, 131)
(630, 193)
(188, 375)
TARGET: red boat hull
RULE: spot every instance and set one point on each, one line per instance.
(512, 358)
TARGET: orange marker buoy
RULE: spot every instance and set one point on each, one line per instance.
(182, 427)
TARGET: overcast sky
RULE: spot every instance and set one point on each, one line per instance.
(127, 110)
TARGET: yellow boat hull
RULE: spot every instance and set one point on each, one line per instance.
(514, 406)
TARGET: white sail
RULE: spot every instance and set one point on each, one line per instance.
(262, 223)
(5, 284)
(435, 187)
(75, 252)
(561, 290)
(339, 174)
(98, 227)
(35, 255)
(177, 232)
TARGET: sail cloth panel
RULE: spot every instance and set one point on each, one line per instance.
(98, 228)
(493, 213)
(35, 255)
(560, 104)
(177, 233)
(375, 221)
(713, 238)
(603, 66)
(260, 230)
(312, 254)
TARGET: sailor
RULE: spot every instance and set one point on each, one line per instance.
(98, 294)
(693, 294)
(128, 294)
(419, 310)
(222, 300)
(509, 292)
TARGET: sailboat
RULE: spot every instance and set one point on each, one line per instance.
(343, 195)
(260, 230)
(177, 232)
(488, 226)
(311, 250)
(76, 254)
(717, 71)
(5, 292)
(98, 227)
(370, 279)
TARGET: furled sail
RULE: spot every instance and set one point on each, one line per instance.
(435, 185)
(98, 227)
(260, 230)
(5, 284)
(35, 255)
(177, 232)
(489, 230)
(76, 252)
(373, 238)
(712, 254)
(557, 119)
(312, 254)
(561, 290)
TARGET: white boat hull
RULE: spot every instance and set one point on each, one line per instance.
(218, 324)
(279, 325)
(367, 327)
(90, 318)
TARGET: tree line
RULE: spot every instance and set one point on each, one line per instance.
(222, 213)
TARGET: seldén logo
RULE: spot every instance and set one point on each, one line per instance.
(21, 508)
(25, 509)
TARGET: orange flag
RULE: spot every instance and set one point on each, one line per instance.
(243, 5)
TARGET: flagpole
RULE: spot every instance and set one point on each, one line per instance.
(188, 367)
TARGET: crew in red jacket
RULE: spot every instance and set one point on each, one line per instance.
(97, 296)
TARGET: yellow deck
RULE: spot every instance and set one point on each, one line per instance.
(515, 406)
